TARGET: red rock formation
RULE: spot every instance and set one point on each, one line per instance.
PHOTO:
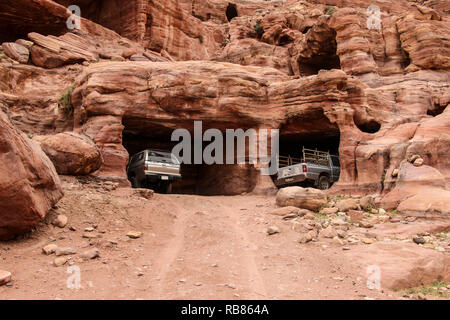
(387, 102)
(71, 154)
(29, 184)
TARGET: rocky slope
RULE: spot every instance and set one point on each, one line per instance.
(312, 69)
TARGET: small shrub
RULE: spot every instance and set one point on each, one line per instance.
(30, 135)
(65, 101)
(200, 38)
(3, 55)
(330, 10)
(259, 29)
(369, 208)
(433, 290)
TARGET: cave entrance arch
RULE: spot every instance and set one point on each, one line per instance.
(231, 11)
(313, 131)
(323, 57)
(112, 14)
(199, 179)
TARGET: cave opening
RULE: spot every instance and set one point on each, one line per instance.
(285, 39)
(323, 57)
(436, 110)
(199, 179)
(366, 125)
(112, 14)
(313, 132)
(31, 16)
(231, 11)
(306, 29)
(52, 20)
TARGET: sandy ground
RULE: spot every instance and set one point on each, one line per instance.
(192, 247)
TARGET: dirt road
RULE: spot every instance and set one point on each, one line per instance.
(192, 247)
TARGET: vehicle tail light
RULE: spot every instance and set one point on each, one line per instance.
(305, 169)
(146, 166)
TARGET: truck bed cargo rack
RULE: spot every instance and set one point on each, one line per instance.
(309, 156)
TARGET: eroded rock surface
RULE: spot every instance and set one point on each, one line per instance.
(72, 154)
(304, 198)
(29, 184)
(376, 95)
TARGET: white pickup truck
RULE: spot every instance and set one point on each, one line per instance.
(316, 168)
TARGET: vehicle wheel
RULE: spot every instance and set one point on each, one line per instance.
(169, 188)
(324, 183)
(134, 183)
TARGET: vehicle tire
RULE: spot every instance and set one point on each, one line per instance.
(324, 183)
(169, 188)
(134, 183)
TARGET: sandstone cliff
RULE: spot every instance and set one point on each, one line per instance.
(312, 69)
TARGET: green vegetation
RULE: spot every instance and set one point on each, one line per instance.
(3, 55)
(433, 290)
(200, 38)
(65, 102)
(369, 208)
(30, 135)
(330, 10)
(259, 29)
(320, 216)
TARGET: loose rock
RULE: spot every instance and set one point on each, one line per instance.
(367, 202)
(134, 234)
(60, 221)
(90, 254)
(65, 251)
(355, 216)
(305, 198)
(59, 261)
(328, 232)
(5, 277)
(369, 240)
(283, 211)
(329, 211)
(49, 249)
(419, 240)
(273, 230)
(365, 224)
(345, 205)
(16, 52)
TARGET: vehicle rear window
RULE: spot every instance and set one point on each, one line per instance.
(159, 156)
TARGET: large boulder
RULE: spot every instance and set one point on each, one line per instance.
(29, 184)
(428, 203)
(71, 153)
(305, 198)
(419, 191)
(402, 265)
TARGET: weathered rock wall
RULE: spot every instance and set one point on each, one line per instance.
(274, 66)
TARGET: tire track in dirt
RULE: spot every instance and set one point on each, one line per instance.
(255, 280)
(171, 250)
(185, 208)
